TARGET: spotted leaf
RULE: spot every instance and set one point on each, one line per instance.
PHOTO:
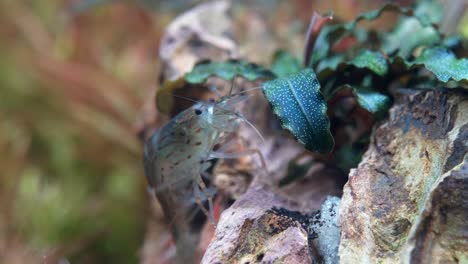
(298, 103)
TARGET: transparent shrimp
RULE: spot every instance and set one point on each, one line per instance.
(178, 155)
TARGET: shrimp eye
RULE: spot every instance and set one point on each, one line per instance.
(212, 100)
(198, 111)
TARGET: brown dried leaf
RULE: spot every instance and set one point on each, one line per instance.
(198, 34)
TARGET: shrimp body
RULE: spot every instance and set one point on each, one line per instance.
(176, 156)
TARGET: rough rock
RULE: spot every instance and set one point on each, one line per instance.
(407, 200)
(325, 231)
(250, 231)
(441, 233)
(260, 227)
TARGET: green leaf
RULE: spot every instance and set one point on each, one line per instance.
(284, 64)
(371, 100)
(322, 45)
(227, 70)
(300, 106)
(409, 35)
(337, 31)
(429, 12)
(443, 64)
(371, 60)
(438, 60)
(330, 63)
(415, 29)
(324, 58)
(337, 64)
(367, 97)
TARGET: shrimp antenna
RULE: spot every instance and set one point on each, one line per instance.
(232, 99)
(250, 89)
(185, 98)
(246, 91)
(251, 125)
(242, 117)
(233, 82)
(231, 95)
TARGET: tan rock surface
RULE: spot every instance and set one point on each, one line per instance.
(406, 202)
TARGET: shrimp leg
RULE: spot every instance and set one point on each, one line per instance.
(209, 197)
(236, 155)
(197, 196)
(200, 184)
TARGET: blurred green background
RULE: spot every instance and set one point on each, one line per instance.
(76, 82)
(73, 79)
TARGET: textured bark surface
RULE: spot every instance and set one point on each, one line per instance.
(407, 200)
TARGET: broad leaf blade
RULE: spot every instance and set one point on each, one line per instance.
(337, 31)
(409, 35)
(371, 60)
(368, 98)
(371, 100)
(444, 64)
(429, 12)
(300, 106)
(416, 28)
(227, 70)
